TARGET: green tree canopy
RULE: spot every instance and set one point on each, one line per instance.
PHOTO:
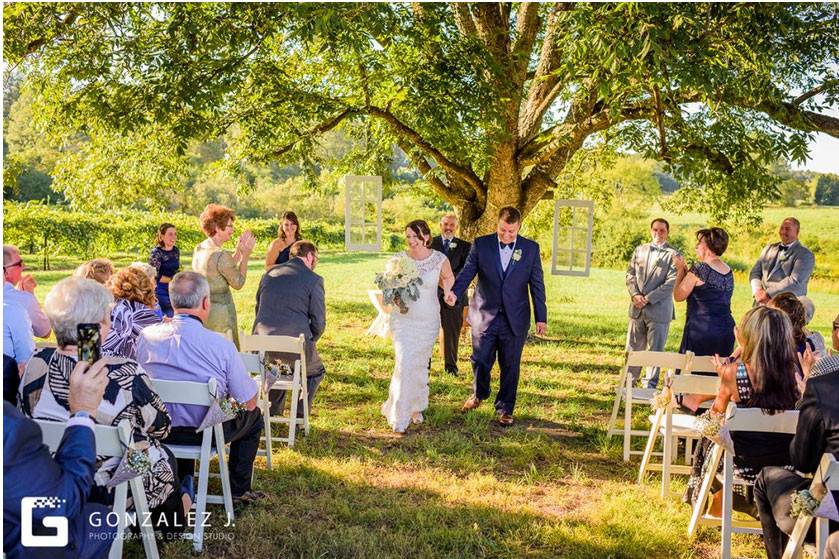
(491, 102)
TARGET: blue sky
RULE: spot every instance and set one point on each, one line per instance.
(824, 155)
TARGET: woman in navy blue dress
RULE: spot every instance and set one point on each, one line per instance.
(288, 233)
(166, 259)
(707, 286)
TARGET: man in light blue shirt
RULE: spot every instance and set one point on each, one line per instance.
(17, 334)
(185, 350)
(20, 287)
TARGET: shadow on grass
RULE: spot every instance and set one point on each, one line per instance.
(313, 513)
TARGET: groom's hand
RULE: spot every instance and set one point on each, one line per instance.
(541, 328)
(451, 299)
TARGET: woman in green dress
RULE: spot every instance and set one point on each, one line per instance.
(222, 269)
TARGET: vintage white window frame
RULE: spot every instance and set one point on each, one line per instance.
(571, 250)
(352, 182)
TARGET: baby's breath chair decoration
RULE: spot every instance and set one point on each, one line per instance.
(665, 399)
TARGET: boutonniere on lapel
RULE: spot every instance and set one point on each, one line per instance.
(452, 244)
(784, 256)
(517, 255)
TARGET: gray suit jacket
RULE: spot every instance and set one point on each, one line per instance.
(788, 271)
(654, 277)
(290, 301)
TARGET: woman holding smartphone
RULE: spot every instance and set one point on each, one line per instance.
(80, 315)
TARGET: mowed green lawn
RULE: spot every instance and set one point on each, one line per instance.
(460, 486)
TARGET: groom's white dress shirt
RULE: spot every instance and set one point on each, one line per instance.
(506, 254)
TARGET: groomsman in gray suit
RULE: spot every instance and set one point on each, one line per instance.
(784, 266)
(650, 279)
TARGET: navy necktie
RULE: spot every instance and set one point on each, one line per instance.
(446, 245)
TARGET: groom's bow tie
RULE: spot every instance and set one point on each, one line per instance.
(506, 245)
(782, 248)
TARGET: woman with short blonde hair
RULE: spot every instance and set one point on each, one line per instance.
(99, 269)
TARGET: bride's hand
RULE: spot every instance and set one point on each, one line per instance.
(450, 298)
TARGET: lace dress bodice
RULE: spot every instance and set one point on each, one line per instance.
(427, 307)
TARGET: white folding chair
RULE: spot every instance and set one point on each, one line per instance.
(675, 426)
(109, 443)
(629, 395)
(253, 364)
(826, 478)
(200, 394)
(737, 419)
(296, 384)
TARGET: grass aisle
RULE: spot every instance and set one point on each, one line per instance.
(459, 486)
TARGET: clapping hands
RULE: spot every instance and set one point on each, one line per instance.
(27, 283)
(247, 240)
(679, 262)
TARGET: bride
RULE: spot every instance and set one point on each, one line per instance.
(414, 332)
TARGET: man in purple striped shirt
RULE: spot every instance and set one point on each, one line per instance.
(185, 350)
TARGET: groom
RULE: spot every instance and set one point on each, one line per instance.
(499, 312)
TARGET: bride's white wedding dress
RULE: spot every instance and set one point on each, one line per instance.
(414, 334)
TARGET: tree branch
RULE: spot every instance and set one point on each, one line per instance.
(463, 19)
(527, 26)
(546, 84)
(455, 171)
(316, 130)
(451, 192)
(826, 86)
(492, 29)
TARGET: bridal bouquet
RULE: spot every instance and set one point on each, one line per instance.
(399, 282)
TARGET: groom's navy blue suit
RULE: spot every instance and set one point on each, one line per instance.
(499, 312)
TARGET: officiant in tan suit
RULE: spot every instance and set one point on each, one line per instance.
(650, 279)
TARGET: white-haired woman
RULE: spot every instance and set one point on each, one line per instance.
(44, 389)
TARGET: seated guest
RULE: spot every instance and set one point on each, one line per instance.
(29, 470)
(817, 432)
(290, 302)
(149, 270)
(288, 233)
(814, 339)
(20, 287)
(129, 394)
(185, 350)
(134, 310)
(797, 314)
(11, 380)
(17, 333)
(764, 377)
(99, 269)
(836, 333)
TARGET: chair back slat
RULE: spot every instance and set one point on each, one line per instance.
(107, 437)
(695, 384)
(702, 364)
(251, 361)
(754, 420)
(185, 392)
(663, 359)
(285, 344)
(830, 468)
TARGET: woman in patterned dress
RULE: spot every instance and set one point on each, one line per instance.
(134, 293)
(166, 259)
(129, 395)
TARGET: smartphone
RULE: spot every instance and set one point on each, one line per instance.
(90, 342)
